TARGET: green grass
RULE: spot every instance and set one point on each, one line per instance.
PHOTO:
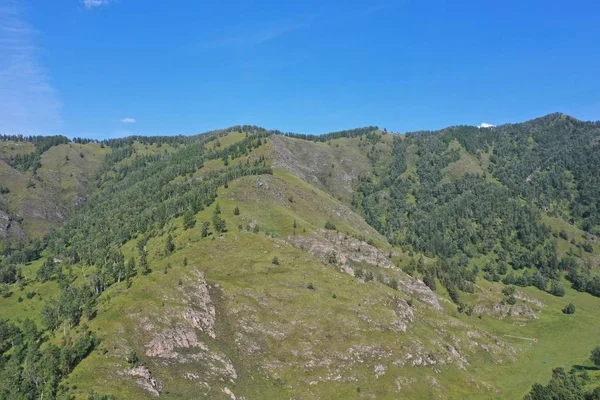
(226, 140)
(11, 149)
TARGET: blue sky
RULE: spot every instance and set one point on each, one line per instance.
(108, 68)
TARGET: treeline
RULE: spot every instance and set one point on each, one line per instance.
(24, 162)
(564, 385)
(351, 133)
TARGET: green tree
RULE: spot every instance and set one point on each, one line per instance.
(218, 223)
(205, 231)
(557, 288)
(144, 266)
(169, 245)
(236, 210)
(189, 219)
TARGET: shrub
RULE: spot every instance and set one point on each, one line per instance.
(569, 309)
(595, 356)
(329, 225)
(133, 360)
(393, 283)
(275, 261)
(509, 290)
(429, 280)
(557, 288)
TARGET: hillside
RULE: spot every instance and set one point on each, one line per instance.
(246, 263)
(42, 184)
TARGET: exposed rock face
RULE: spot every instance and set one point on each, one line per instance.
(520, 312)
(164, 343)
(145, 380)
(180, 343)
(9, 228)
(201, 313)
(346, 249)
(349, 250)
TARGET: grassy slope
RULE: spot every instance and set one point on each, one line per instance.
(63, 181)
(332, 166)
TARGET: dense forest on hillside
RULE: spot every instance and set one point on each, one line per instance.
(548, 166)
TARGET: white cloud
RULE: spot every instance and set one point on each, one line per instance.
(91, 4)
(28, 102)
(129, 120)
(486, 125)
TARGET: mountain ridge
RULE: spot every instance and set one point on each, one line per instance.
(250, 263)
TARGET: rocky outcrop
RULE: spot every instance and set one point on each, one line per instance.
(184, 335)
(145, 380)
(348, 250)
(9, 228)
(200, 313)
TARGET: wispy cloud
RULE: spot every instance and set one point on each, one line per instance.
(28, 102)
(129, 120)
(91, 4)
(259, 34)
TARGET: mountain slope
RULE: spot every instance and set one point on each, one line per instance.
(38, 198)
(250, 264)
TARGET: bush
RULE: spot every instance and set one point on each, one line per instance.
(509, 290)
(569, 309)
(236, 210)
(310, 286)
(595, 356)
(329, 225)
(429, 280)
(332, 258)
(557, 288)
(275, 261)
(393, 283)
(133, 360)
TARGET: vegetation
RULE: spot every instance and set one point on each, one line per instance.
(464, 210)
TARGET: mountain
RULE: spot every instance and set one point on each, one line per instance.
(248, 263)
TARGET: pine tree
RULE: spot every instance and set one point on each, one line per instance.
(144, 266)
(205, 232)
(169, 246)
(189, 220)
